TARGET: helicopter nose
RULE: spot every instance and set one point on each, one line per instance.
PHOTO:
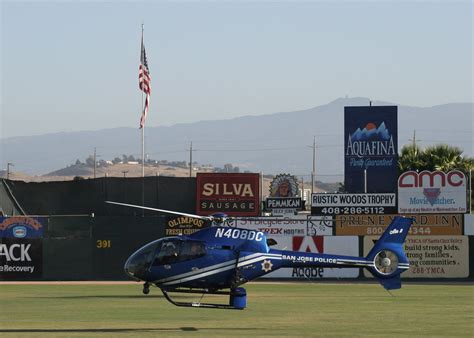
(130, 269)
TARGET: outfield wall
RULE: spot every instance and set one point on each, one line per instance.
(76, 247)
(95, 248)
(86, 197)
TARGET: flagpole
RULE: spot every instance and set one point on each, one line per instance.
(143, 149)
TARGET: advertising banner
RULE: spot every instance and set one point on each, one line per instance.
(21, 258)
(284, 195)
(429, 224)
(432, 256)
(342, 245)
(183, 225)
(275, 227)
(350, 204)
(232, 193)
(370, 148)
(432, 192)
(283, 206)
(22, 227)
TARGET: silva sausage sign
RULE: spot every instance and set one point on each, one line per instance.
(232, 193)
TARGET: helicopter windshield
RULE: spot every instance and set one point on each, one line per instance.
(163, 252)
(139, 262)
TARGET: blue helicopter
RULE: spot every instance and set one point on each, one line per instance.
(218, 259)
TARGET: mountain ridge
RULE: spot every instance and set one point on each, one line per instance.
(269, 143)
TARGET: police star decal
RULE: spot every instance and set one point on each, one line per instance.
(267, 265)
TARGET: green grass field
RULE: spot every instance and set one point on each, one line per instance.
(307, 309)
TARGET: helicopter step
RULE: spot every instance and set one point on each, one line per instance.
(237, 298)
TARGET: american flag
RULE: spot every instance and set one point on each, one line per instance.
(144, 83)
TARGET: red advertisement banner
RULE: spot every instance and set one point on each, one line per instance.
(231, 193)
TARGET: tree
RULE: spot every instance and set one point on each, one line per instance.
(90, 161)
(410, 159)
(228, 168)
(445, 158)
(440, 157)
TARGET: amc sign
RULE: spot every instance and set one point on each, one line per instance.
(432, 192)
(233, 194)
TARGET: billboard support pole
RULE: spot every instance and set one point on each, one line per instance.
(470, 191)
(365, 181)
(261, 193)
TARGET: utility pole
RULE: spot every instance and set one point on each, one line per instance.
(313, 172)
(302, 188)
(95, 160)
(9, 164)
(191, 159)
(125, 173)
(414, 140)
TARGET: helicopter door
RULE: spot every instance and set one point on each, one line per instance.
(168, 253)
(175, 251)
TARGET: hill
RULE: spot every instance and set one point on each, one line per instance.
(273, 143)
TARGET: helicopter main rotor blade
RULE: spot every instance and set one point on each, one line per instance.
(160, 210)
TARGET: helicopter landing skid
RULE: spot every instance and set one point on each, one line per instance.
(237, 298)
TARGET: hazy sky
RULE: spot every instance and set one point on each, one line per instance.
(69, 66)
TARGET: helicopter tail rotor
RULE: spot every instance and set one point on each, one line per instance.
(387, 255)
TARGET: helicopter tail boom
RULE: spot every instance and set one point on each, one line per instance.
(386, 261)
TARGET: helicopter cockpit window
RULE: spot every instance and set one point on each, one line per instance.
(141, 260)
(192, 250)
(173, 251)
(168, 253)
